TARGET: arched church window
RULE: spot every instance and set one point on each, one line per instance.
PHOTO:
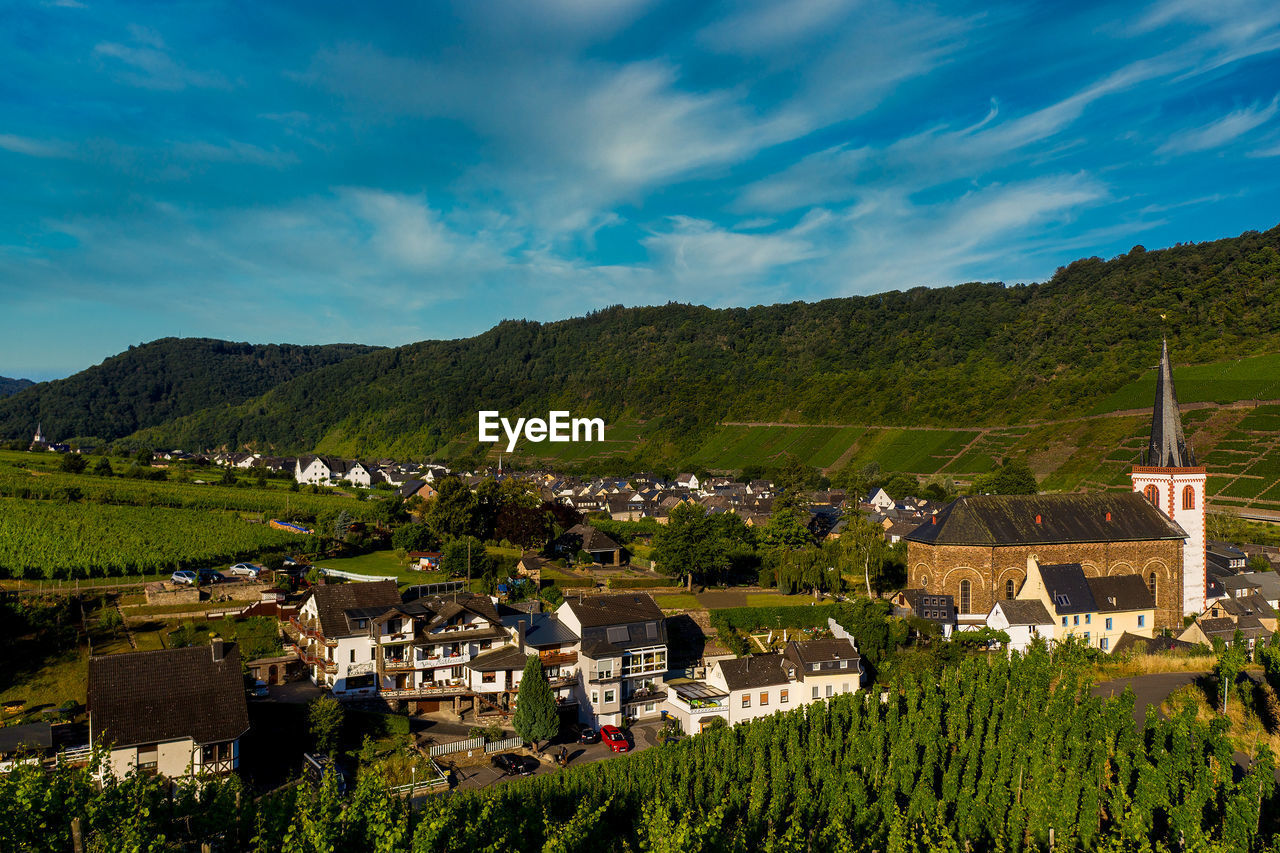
(1188, 498)
(1153, 494)
(1008, 589)
(1151, 584)
(966, 597)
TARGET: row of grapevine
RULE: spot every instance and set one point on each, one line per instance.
(56, 485)
(47, 539)
(992, 756)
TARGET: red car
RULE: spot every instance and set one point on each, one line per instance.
(615, 738)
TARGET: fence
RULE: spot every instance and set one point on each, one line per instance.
(499, 745)
(352, 576)
(432, 778)
(457, 746)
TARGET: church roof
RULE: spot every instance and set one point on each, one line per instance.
(1168, 446)
(993, 520)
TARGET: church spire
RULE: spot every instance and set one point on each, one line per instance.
(1168, 447)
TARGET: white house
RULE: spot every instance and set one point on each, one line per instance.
(622, 658)
(1023, 621)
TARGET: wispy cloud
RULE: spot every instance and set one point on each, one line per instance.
(1221, 131)
(147, 63)
(32, 147)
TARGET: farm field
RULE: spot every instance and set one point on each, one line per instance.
(85, 540)
(1256, 378)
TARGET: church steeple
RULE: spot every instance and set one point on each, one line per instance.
(1168, 447)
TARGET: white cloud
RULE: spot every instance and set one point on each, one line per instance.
(147, 64)
(1220, 132)
(31, 147)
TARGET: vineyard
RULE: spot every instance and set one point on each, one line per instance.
(18, 482)
(46, 539)
(991, 756)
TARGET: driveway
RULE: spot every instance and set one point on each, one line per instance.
(644, 735)
(1148, 690)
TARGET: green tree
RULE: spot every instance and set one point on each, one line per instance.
(1231, 661)
(453, 512)
(690, 546)
(415, 537)
(74, 463)
(1014, 477)
(102, 468)
(536, 718)
(863, 545)
(1259, 563)
(325, 717)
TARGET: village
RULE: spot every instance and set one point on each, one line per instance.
(427, 669)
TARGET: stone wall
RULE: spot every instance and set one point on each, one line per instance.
(941, 568)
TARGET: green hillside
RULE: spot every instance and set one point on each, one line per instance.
(13, 386)
(156, 382)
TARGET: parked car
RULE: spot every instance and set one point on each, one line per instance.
(615, 738)
(244, 570)
(515, 765)
(259, 690)
(586, 734)
(209, 576)
(185, 576)
(320, 767)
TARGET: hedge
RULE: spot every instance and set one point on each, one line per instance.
(642, 583)
(566, 581)
(752, 618)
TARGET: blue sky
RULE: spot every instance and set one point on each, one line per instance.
(383, 173)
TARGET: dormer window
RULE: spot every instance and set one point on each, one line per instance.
(1062, 600)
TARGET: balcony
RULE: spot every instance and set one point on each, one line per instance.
(442, 660)
(430, 690)
(398, 637)
(398, 665)
(564, 679)
(558, 658)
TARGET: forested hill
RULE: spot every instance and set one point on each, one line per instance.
(154, 383)
(13, 386)
(974, 354)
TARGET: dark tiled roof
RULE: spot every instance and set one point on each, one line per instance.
(542, 629)
(333, 600)
(1246, 605)
(1011, 520)
(1132, 642)
(805, 652)
(1068, 588)
(507, 657)
(1019, 612)
(148, 697)
(600, 610)
(754, 671)
(1121, 592)
(584, 538)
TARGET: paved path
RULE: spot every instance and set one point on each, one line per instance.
(1148, 690)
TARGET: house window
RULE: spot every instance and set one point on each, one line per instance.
(1104, 644)
(489, 678)
(373, 654)
(1086, 638)
(746, 700)
(764, 698)
(214, 753)
(815, 692)
(604, 669)
(1153, 494)
(1008, 588)
(1064, 621)
(1189, 498)
(844, 688)
(1142, 621)
(830, 690)
(648, 707)
(1088, 617)
(966, 595)
(1108, 623)
(595, 697)
(610, 696)
(1075, 620)
(782, 697)
(148, 758)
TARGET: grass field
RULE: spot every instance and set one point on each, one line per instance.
(1256, 378)
(385, 563)
(678, 601)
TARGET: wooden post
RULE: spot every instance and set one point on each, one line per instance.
(77, 836)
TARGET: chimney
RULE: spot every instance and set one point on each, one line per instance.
(520, 629)
(215, 647)
(1037, 518)
(1108, 515)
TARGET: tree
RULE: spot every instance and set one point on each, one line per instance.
(415, 537)
(324, 719)
(864, 547)
(1014, 477)
(74, 463)
(452, 512)
(103, 467)
(690, 546)
(1231, 661)
(1259, 563)
(536, 718)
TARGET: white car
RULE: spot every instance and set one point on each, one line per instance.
(244, 570)
(184, 576)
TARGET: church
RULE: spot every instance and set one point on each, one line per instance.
(976, 548)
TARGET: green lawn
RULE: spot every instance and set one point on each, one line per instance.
(776, 599)
(384, 563)
(677, 601)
